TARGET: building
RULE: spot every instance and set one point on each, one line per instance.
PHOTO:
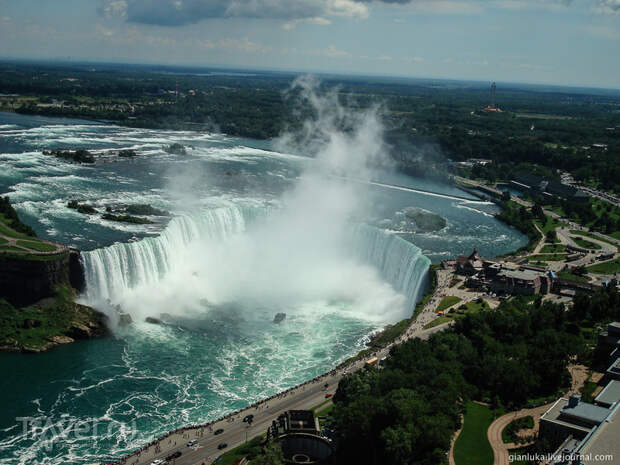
(299, 434)
(521, 281)
(610, 395)
(539, 185)
(613, 372)
(601, 445)
(470, 265)
(584, 433)
(570, 418)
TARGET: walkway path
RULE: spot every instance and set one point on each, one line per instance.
(494, 433)
(304, 397)
(14, 238)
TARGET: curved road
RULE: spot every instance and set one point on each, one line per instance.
(304, 397)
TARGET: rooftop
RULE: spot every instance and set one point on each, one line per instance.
(525, 275)
(604, 441)
(610, 395)
(586, 412)
(553, 415)
(577, 416)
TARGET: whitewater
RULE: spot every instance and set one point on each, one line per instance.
(253, 230)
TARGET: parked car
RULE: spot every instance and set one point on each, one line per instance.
(222, 445)
(192, 442)
(158, 462)
(328, 395)
(218, 431)
(174, 455)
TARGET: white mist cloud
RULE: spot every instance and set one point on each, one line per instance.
(299, 253)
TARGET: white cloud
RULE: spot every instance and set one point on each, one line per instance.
(319, 21)
(449, 7)
(608, 6)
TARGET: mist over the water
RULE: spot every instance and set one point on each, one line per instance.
(300, 252)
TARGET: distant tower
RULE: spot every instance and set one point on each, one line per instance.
(493, 102)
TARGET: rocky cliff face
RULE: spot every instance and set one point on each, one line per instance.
(25, 281)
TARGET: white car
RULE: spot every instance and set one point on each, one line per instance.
(158, 462)
(192, 442)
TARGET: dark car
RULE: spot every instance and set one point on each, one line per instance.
(218, 431)
(222, 445)
(174, 455)
(248, 418)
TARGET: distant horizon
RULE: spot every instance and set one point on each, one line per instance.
(542, 42)
(482, 83)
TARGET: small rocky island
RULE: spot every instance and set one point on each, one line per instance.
(424, 220)
(414, 220)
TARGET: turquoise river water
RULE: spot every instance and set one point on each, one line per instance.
(252, 232)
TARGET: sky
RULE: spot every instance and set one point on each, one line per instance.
(564, 42)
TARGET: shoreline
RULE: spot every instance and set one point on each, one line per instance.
(355, 362)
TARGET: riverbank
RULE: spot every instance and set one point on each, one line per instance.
(49, 322)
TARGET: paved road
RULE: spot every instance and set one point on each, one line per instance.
(235, 432)
(579, 374)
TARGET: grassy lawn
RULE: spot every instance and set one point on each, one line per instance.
(553, 248)
(472, 446)
(324, 412)
(3, 241)
(550, 257)
(37, 246)
(615, 235)
(588, 391)
(9, 232)
(509, 434)
(594, 236)
(457, 313)
(586, 244)
(574, 277)
(549, 225)
(447, 301)
(252, 447)
(10, 248)
(610, 267)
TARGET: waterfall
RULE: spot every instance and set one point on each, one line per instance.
(113, 270)
(399, 262)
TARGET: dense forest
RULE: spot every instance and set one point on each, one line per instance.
(428, 122)
(407, 411)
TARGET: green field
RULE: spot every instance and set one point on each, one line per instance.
(37, 245)
(610, 267)
(457, 313)
(252, 447)
(9, 232)
(10, 248)
(574, 277)
(550, 224)
(553, 248)
(586, 244)
(447, 302)
(550, 257)
(593, 236)
(472, 446)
